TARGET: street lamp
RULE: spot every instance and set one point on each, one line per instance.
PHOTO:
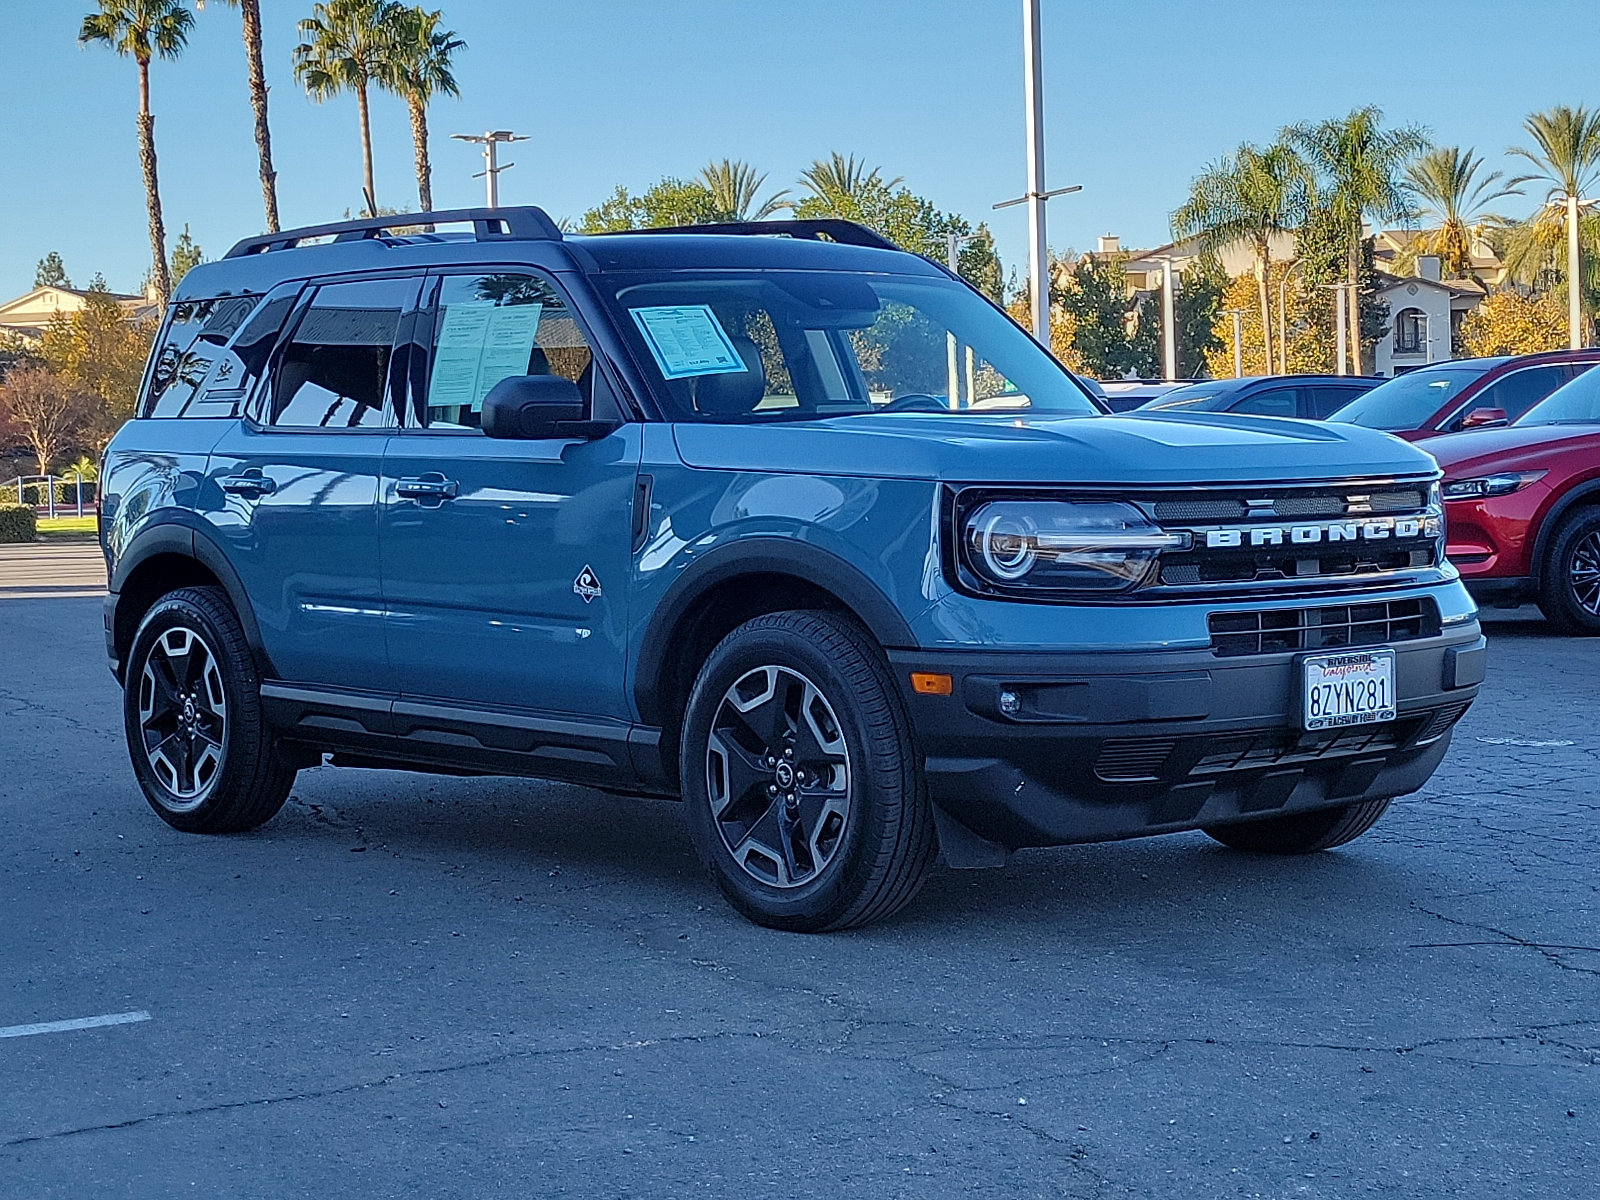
(1283, 323)
(1341, 323)
(491, 172)
(1238, 343)
(1573, 205)
(1169, 332)
(1035, 196)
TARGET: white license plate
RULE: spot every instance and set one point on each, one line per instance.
(1356, 688)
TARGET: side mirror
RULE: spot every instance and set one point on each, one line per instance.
(1485, 418)
(531, 407)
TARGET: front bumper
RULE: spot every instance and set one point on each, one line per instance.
(1117, 745)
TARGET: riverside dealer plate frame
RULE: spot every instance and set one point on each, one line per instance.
(1346, 689)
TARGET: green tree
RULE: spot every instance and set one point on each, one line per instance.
(1565, 156)
(250, 22)
(1248, 199)
(734, 186)
(1111, 334)
(841, 176)
(51, 272)
(186, 254)
(668, 202)
(1445, 186)
(142, 30)
(419, 67)
(1320, 243)
(1510, 323)
(346, 46)
(1360, 169)
(103, 352)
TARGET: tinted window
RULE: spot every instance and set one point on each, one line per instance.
(334, 374)
(1328, 399)
(1577, 402)
(1272, 402)
(1518, 391)
(1408, 400)
(491, 327)
(192, 341)
(245, 359)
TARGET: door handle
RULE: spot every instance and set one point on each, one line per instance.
(247, 485)
(426, 489)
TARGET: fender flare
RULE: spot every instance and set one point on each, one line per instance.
(190, 543)
(761, 556)
(1589, 491)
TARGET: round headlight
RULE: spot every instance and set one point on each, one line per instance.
(1005, 542)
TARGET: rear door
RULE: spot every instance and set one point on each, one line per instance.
(506, 562)
(295, 484)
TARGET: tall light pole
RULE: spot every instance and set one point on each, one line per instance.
(1283, 321)
(1035, 196)
(1341, 325)
(952, 247)
(1169, 332)
(492, 165)
(1574, 207)
(1238, 340)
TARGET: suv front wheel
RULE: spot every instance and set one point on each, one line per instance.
(1569, 578)
(803, 792)
(192, 710)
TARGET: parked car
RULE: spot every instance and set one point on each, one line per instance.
(1465, 393)
(1524, 507)
(717, 514)
(1309, 397)
(1125, 395)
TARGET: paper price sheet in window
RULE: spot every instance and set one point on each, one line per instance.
(479, 344)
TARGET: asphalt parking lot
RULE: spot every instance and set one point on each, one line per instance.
(434, 987)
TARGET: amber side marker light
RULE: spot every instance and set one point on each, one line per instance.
(927, 683)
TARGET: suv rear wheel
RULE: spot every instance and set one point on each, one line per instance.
(1569, 577)
(803, 791)
(192, 710)
(1302, 833)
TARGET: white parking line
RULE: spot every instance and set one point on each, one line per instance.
(124, 1018)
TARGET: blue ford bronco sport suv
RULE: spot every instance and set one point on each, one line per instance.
(797, 527)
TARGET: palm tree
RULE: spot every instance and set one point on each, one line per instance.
(842, 177)
(346, 45)
(1565, 154)
(142, 30)
(1247, 199)
(250, 19)
(1445, 184)
(733, 185)
(1361, 166)
(417, 69)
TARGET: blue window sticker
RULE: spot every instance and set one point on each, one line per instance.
(687, 339)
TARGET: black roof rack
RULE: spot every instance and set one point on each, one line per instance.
(489, 224)
(832, 228)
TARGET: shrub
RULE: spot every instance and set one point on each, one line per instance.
(17, 524)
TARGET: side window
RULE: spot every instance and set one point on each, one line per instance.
(192, 342)
(1274, 402)
(334, 374)
(1517, 392)
(1325, 401)
(244, 361)
(490, 327)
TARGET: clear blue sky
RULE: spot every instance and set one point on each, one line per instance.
(1139, 94)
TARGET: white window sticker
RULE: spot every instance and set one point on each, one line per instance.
(687, 339)
(480, 344)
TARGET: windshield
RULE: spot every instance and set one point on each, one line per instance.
(1575, 403)
(1406, 401)
(800, 345)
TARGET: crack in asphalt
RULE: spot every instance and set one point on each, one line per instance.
(1550, 952)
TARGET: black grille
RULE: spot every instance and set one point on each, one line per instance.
(1328, 627)
(1441, 721)
(1271, 750)
(1133, 760)
(1332, 502)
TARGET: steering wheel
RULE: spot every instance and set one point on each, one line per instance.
(915, 402)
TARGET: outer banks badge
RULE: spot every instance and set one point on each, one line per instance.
(587, 584)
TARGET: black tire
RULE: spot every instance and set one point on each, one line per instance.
(1569, 576)
(192, 713)
(854, 753)
(1301, 833)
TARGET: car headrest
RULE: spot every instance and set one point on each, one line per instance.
(737, 392)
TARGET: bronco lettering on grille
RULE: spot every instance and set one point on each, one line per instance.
(1376, 529)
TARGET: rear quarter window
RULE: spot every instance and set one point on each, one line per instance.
(197, 346)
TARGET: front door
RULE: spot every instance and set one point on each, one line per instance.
(505, 563)
(296, 485)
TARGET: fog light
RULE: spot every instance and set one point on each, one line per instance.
(1010, 703)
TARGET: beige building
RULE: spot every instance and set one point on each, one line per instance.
(29, 315)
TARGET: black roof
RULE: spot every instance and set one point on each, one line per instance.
(528, 235)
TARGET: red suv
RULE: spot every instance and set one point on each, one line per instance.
(1522, 507)
(1465, 393)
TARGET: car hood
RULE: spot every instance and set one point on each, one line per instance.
(1132, 448)
(1485, 451)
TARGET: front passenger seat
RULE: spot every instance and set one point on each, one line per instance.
(737, 392)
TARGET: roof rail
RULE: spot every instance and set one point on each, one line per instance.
(489, 224)
(833, 228)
